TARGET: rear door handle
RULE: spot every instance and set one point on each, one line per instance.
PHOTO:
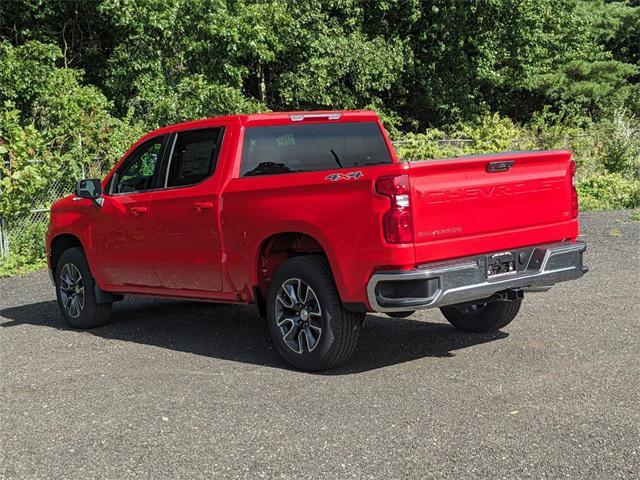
(135, 211)
(200, 206)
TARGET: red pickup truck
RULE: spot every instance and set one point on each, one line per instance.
(311, 217)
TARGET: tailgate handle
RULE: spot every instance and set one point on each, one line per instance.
(501, 166)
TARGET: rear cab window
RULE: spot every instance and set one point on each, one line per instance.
(312, 147)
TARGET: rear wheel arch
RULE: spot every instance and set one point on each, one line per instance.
(282, 246)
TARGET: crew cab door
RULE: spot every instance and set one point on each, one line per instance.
(119, 230)
(184, 233)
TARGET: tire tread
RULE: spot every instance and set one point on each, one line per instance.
(347, 323)
(94, 314)
(496, 316)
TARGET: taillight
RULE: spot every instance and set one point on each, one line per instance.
(397, 222)
(574, 192)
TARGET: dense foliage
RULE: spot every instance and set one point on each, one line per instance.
(81, 79)
(426, 63)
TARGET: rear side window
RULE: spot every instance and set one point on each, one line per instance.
(193, 156)
(312, 147)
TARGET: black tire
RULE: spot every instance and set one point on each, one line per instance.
(91, 314)
(336, 341)
(400, 314)
(482, 318)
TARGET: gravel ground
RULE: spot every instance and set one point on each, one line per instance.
(186, 390)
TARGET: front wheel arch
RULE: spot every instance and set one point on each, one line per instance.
(60, 244)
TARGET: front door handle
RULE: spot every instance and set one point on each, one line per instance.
(200, 206)
(135, 211)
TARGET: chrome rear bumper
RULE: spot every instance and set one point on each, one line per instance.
(465, 279)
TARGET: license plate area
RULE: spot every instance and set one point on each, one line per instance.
(502, 263)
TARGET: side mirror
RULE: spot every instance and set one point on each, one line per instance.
(89, 188)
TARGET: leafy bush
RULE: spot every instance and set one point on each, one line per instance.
(490, 133)
(493, 133)
(608, 191)
(431, 145)
(26, 240)
(621, 144)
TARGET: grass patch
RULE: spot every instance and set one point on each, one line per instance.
(13, 265)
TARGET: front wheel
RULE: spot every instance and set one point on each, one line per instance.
(482, 317)
(309, 326)
(75, 289)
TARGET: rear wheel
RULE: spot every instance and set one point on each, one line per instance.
(308, 324)
(400, 314)
(75, 289)
(482, 317)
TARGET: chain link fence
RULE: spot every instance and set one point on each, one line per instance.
(22, 236)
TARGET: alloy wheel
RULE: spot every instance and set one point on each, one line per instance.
(71, 288)
(298, 315)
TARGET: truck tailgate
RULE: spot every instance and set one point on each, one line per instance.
(461, 207)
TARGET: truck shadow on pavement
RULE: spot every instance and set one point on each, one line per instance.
(236, 333)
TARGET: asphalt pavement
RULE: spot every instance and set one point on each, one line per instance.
(176, 389)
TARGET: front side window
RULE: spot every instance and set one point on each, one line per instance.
(312, 147)
(193, 156)
(138, 172)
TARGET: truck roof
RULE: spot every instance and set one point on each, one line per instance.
(316, 115)
(279, 118)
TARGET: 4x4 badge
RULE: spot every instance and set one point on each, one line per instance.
(343, 176)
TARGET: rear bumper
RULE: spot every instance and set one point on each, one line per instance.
(464, 280)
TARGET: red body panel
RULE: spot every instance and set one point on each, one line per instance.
(120, 240)
(205, 241)
(461, 209)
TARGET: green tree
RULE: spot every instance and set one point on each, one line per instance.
(50, 123)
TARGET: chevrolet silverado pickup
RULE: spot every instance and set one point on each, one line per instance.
(311, 217)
